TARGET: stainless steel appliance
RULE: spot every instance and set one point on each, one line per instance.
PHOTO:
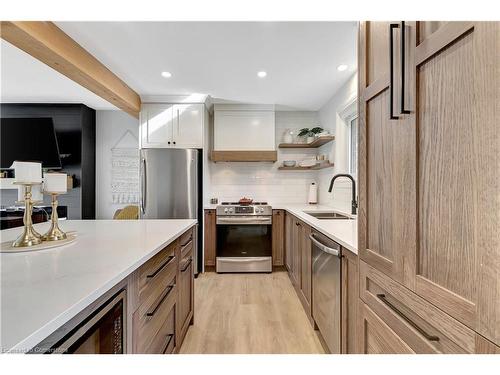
(326, 290)
(171, 187)
(97, 330)
(244, 237)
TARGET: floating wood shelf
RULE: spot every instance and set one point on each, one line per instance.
(320, 141)
(238, 156)
(314, 168)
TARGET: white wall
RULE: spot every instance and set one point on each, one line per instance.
(110, 127)
(263, 181)
(329, 116)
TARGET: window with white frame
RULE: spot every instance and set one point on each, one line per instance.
(350, 117)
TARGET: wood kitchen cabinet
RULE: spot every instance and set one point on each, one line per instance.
(185, 286)
(210, 238)
(161, 298)
(278, 236)
(172, 125)
(293, 249)
(428, 217)
(289, 243)
(305, 255)
(421, 326)
(298, 259)
(349, 302)
(153, 322)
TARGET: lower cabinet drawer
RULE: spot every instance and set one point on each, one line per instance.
(421, 326)
(156, 273)
(186, 241)
(186, 295)
(154, 323)
(165, 340)
(376, 336)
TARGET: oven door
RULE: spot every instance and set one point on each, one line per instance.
(244, 244)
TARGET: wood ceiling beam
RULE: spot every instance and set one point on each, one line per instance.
(49, 44)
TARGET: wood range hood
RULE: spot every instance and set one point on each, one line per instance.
(244, 156)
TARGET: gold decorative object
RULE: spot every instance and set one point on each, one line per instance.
(30, 236)
(54, 233)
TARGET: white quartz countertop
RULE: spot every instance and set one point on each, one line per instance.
(42, 290)
(345, 232)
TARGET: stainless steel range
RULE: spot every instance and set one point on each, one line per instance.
(244, 237)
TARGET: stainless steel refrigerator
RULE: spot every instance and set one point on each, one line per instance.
(171, 187)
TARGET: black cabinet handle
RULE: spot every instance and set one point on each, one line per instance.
(169, 259)
(403, 67)
(188, 241)
(169, 339)
(167, 292)
(392, 26)
(187, 265)
(406, 319)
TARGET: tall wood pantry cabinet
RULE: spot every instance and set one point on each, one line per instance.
(429, 171)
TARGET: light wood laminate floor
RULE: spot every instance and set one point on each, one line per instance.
(248, 313)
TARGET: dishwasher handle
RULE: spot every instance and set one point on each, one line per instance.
(322, 247)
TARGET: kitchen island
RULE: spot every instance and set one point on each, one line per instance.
(43, 290)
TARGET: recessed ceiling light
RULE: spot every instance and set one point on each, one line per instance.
(261, 74)
(166, 74)
(342, 67)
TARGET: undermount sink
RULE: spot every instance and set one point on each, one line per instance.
(328, 215)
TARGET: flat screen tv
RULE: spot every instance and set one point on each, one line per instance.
(28, 139)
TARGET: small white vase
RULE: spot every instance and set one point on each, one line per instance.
(310, 140)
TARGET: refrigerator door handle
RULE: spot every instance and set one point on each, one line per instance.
(143, 187)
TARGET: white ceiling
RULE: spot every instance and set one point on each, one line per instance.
(24, 79)
(220, 59)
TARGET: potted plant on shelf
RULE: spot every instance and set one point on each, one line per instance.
(310, 133)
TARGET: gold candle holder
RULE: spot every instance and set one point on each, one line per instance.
(54, 233)
(30, 236)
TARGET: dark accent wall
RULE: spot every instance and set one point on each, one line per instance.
(75, 130)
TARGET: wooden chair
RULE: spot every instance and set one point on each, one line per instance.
(127, 213)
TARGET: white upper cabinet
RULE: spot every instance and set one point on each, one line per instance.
(172, 125)
(188, 125)
(156, 125)
(244, 128)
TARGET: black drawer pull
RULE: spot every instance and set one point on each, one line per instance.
(187, 265)
(169, 259)
(169, 340)
(186, 244)
(403, 67)
(392, 26)
(406, 319)
(167, 292)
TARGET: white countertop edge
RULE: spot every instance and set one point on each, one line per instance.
(305, 218)
(310, 220)
(45, 331)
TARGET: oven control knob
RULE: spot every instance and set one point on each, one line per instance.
(230, 210)
(225, 210)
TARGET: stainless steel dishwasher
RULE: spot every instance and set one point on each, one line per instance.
(326, 298)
